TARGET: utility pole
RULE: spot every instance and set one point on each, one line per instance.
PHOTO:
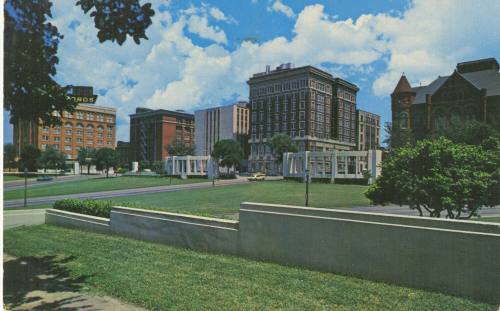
(25, 186)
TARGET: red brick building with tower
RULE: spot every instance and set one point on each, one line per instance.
(471, 92)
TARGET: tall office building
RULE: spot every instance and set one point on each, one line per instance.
(306, 103)
(152, 131)
(368, 130)
(226, 122)
(89, 126)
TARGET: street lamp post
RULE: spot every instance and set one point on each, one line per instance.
(25, 186)
(307, 187)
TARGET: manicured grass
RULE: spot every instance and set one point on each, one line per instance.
(12, 178)
(160, 277)
(96, 184)
(488, 219)
(225, 201)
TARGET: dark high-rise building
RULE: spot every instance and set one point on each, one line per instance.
(151, 131)
(306, 103)
(123, 153)
(471, 92)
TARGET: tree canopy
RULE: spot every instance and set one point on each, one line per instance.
(9, 156)
(29, 158)
(52, 159)
(106, 158)
(180, 149)
(281, 143)
(439, 176)
(30, 52)
(86, 156)
(228, 152)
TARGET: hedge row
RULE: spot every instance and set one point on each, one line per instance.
(87, 207)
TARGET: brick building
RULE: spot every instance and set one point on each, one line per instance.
(88, 126)
(306, 103)
(151, 131)
(471, 92)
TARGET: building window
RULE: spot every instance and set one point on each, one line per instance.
(89, 142)
(108, 143)
(45, 137)
(57, 138)
(79, 115)
(403, 120)
(67, 148)
(100, 129)
(301, 133)
(57, 131)
(67, 114)
(100, 118)
(68, 132)
(79, 140)
(55, 146)
(44, 146)
(109, 135)
(45, 129)
(90, 116)
(67, 139)
(109, 119)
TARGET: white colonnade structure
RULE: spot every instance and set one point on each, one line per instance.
(189, 166)
(334, 164)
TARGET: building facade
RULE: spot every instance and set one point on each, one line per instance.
(367, 131)
(88, 126)
(306, 103)
(123, 153)
(151, 131)
(471, 92)
(227, 122)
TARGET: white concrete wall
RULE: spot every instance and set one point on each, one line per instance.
(454, 257)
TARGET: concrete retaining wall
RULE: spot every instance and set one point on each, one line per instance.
(199, 233)
(78, 221)
(15, 218)
(454, 261)
(456, 257)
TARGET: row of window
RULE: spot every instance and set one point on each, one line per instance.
(69, 147)
(91, 116)
(57, 129)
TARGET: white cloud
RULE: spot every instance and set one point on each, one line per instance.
(432, 36)
(199, 25)
(220, 16)
(172, 72)
(280, 7)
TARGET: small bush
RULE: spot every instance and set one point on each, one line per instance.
(87, 207)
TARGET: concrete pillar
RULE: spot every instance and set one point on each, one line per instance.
(188, 165)
(356, 163)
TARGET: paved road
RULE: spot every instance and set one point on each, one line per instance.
(32, 182)
(405, 210)
(120, 193)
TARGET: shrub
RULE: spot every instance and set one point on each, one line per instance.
(87, 207)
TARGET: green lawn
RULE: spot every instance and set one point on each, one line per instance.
(488, 219)
(160, 277)
(225, 201)
(12, 178)
(96, 184)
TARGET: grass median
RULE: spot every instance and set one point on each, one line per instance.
(95, 185)
(225, 201)
(161, 277)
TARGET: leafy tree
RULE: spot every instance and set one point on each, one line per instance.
(86, 156)
(180, 149)
(30, 48)
(439, 176)
(106, 158)
(467, 132)
(29, 158)
(30, 52)
(228, 153)
(52, 159)
(281, 143)
(397, 137)
(115, 19)
(157, 166)
(9, 156)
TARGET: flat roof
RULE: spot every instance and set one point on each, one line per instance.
(151, 112)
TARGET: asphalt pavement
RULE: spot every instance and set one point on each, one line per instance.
(32, 182)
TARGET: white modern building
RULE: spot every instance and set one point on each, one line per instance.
(225, 122)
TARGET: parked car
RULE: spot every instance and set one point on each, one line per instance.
(44, 178)
(257, 177)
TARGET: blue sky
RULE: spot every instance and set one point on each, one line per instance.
(200, 53)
